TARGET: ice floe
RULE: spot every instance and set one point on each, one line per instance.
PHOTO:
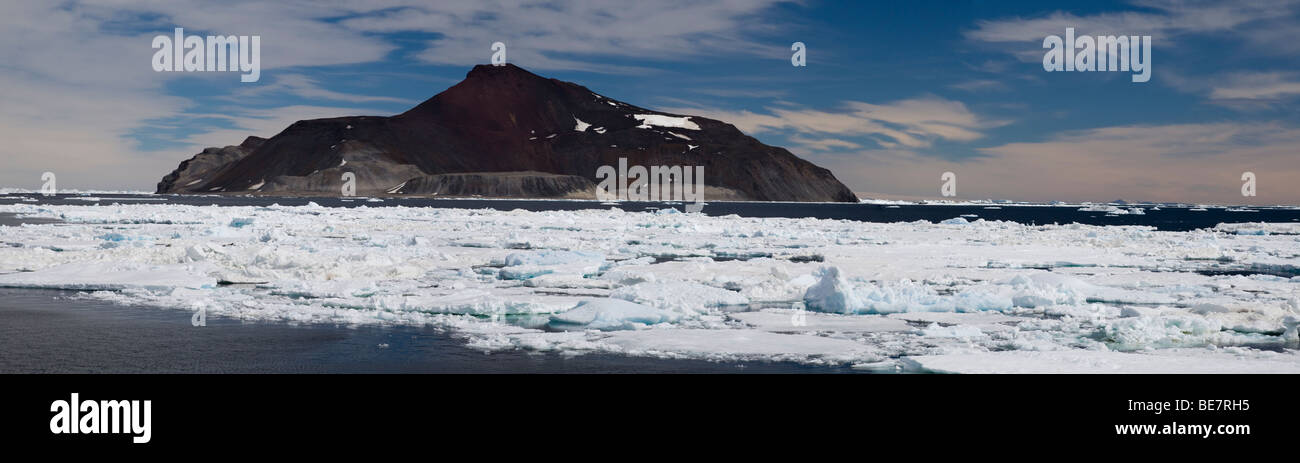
(609, 314)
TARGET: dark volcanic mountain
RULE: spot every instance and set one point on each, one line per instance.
(503, 131)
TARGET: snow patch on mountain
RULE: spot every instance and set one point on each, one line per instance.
(659, 120)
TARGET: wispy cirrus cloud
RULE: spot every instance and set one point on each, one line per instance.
(1164, 20)
(541, 34)
(910, 123)
(822, 144)
(80, 85)
(270, 121)
(1241, 90)
(1258, 87)
(1263, 30)
(304, 86)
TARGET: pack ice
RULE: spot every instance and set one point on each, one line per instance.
(956, 296)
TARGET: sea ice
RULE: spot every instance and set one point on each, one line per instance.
(959, 296)
(1085, 361)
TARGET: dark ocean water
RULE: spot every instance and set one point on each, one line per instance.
(1167, 217)
(45, 331)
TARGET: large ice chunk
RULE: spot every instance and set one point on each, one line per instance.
(609, 315)
(525, 265)
(679, 296)
(836, 294)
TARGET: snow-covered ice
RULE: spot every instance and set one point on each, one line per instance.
(957, 296)
(1084, 361)
(609, 314)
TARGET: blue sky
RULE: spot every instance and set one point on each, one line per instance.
(894, 93)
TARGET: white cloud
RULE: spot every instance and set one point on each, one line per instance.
(294, 33)
(1263, 30)
(78, 80)
(1257, 86)
(542, 36)
(266, 123)
(1241, 90)
(822, 144)
(307, 87)
(74, 132)
(1164, 20)
(911, 123)
(1268, 27)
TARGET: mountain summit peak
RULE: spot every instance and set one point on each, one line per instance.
(493, 69)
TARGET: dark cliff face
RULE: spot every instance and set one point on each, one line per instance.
(204, 166)
(504, 185)
(506, 119)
